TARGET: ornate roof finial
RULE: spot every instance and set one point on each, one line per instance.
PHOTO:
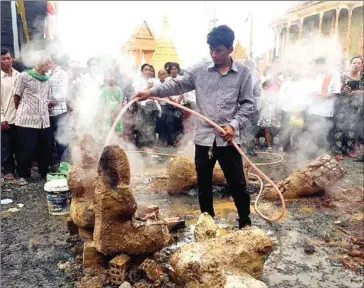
(165, 34)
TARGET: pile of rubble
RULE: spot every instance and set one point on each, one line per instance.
(121, 238)
(105, 216)
(220, 259)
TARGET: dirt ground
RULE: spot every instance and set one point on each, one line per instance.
(318, 244)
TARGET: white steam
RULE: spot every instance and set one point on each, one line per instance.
(299, 61)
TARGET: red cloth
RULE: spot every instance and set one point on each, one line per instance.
(51, 9)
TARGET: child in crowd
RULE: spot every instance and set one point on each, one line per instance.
(112, 100)
(270, 118)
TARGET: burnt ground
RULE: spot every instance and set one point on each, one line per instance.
(318, 244)
(32, 241)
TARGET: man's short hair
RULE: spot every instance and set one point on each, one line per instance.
(93, 60)
(5, 51)
(221, 35)
(61, 59)
(320, 60)
(39, 56)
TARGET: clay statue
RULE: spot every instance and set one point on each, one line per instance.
(208, 263)
(115, 206)
(312, 179)
(81, 181)
(182, 175)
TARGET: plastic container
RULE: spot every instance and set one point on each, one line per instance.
(55, 176)
(58, 197)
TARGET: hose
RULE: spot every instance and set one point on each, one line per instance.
(176, 155)
(213, 124)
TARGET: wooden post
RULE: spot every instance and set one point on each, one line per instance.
(21, 10)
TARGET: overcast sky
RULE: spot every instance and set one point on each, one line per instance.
(89, 28)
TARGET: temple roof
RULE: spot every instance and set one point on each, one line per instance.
(141, 39)
(302, 9)
(239, 52)
(165, 50)
(298, 5)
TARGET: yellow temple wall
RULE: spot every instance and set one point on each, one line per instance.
(356, 32)
(324, 18)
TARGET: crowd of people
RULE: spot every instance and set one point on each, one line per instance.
(322, 111)
(313, 113)
(38, 103)
(293, 111)
(154, 122)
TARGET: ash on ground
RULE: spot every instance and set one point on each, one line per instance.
(318, 244)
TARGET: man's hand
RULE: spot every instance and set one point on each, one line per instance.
(4, 125)
(16, 101)
(142, 95)
(347, 89)
(150, 85)
(229, 133)
(51, 105)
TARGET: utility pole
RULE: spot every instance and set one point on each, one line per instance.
(250, 17)
(211, 12)
(214, 20)
(15, 29)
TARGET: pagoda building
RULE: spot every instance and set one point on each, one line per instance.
(165, 50)
(141, 45)
(239, 53)
(307, 19)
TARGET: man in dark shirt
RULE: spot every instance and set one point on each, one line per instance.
(224, 95)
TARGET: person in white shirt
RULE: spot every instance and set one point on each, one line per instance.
(146, 112)
(162, 121)
(174, 128)
(8, 131)
(319, 126)
(347, 111)
(293, 103)
(33, 99)
(58, 80)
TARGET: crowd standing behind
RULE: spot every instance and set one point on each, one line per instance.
(36, 102)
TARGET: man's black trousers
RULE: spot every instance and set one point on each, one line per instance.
(28, 140)
(232, 165)
(8, 149)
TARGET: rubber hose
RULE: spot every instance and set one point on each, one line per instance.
(213, 124)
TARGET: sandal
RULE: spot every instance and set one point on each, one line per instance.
(339, 157)
(9, 177)
(22, 182)
(245, 227)
(352, 155)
